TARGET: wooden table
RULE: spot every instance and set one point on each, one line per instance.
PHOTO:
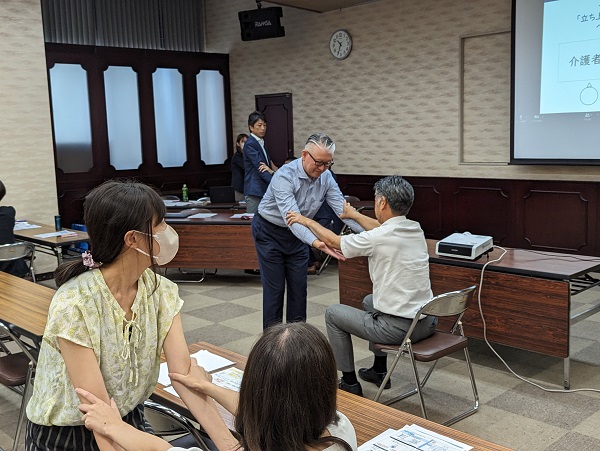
(52, 245)
(369, 418)
(215, 242)
(24, 305)
(180, 205)
(526, 297)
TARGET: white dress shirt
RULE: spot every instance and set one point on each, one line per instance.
(398, 265)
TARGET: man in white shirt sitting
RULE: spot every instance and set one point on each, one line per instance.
(399, 269)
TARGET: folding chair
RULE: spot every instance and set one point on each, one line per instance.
(17, 370)
(16, 251)
(440, 344)
(168, 423)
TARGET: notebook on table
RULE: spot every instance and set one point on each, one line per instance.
(221, 195)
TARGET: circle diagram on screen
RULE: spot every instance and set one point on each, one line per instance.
(588, 95)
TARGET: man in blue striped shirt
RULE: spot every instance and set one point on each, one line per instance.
(300, 186)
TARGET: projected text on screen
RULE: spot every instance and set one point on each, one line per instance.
(570, 70)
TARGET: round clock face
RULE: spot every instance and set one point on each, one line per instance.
(340, 44)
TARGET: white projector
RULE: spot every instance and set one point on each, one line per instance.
(464, 245)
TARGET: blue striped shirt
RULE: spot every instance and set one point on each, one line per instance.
(292, 190)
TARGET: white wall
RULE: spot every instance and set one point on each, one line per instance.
(393, 105)
(26, 155)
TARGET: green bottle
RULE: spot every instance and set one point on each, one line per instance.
(184, 193)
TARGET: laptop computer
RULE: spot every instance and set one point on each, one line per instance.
(221, 194)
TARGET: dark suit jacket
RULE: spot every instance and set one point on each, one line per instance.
(255, 182)
(237, 171)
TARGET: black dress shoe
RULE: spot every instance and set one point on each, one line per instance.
(355, 389)
(369, 375)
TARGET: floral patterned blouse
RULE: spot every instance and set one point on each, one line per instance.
(85, 312)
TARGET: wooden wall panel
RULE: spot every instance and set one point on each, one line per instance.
(540, 215)
(428, 208)
(482, 211)
(546, 212)
(71, 187)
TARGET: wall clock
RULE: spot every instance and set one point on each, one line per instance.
(340, 44)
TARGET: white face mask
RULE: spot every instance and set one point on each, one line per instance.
(168, 240)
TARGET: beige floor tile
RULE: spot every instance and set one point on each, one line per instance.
(191, 322)
(508, 429)
(251, 323)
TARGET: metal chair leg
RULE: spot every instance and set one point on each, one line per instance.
(26, 395)
(324, 265)
(475, 407)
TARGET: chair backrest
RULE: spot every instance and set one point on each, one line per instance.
(453, 303)
(351, 198)
(31, 354)
(167, 422)
(15, 251)
(449, 304)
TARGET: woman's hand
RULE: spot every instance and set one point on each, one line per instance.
(196, 379)
(349, 211)
(295, 218)
(98, 416)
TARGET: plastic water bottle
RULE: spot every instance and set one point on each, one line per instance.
(184, 193)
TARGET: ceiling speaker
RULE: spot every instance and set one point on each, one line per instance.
(263, 23)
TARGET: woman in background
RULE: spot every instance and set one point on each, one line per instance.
(109, 321)
(237, 167)
(287, 399)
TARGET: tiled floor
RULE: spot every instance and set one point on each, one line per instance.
(226, 310)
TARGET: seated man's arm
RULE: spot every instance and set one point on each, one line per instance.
(366, 222)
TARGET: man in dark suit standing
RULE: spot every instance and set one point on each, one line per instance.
(258, 168)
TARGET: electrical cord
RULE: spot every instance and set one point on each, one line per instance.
(551, 390)
(554, 256)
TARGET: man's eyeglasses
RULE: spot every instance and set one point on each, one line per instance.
(319, 163)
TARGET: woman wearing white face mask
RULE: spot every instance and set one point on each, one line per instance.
(109, 320)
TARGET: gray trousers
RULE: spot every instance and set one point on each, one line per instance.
(369, 324)
(252, 204)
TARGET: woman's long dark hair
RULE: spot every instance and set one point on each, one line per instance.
(288, 393)
(110, 211)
